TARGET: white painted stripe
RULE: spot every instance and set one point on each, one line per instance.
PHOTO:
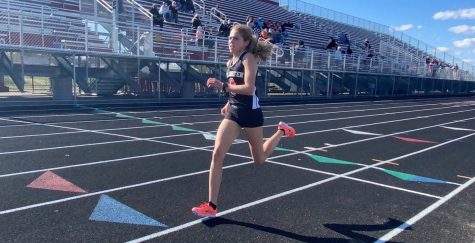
(287, 105)
(361, 132)
(356, 179)
(424, 213)
(144, 127)
(458, 128)
(185, 116)
(309, 149)
(148, 139)
(192, 223)
(205, 171)
(68, 146)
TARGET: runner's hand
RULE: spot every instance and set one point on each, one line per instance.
(225, 109)
(214, 83)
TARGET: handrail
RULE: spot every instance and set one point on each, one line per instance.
(201, 7)
(105, 4)
(304, 7)
(74, 29)
(213, 11)
(143, 10)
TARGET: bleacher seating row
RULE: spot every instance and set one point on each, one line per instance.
(63, 27)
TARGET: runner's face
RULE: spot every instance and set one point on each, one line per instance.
(236, 43)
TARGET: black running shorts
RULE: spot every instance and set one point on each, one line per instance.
(245, 117)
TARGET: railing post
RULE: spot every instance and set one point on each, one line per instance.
(8, 23)
(344, 62)
(21, 28)
(311, 60)
(292, 56)
(42, 27)
(182, 46)
(215, 49)
(358, 64)
(86, 36)
(74, 79)
(138, 41)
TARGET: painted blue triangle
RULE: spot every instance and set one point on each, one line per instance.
(426, 179)
(120, 115)
(111, 210)
(147, 121)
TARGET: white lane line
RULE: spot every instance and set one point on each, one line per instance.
(206, 171)
(424, 213)
(207, 122)
(385, 102)
(305, 114)
(315, 105)
(266, 199)
(355, 179)
(190, 149)
(300, 134)
(67, 146)
(206, 147)
(172, 111)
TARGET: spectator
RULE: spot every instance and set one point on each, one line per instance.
(265, 36)
(195, 22)
(260, 23)
(349, 51)
(331, 44)
(367, 45)
(165, 11)
(190, 6)
(183, 6)
(299, 50)
(225, 28)
(286, 26)
(157, 17)
(250, 21)
(338, 56)
(174, 12)
(343, 39)
(199, 35)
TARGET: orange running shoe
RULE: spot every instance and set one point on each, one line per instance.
(288, 130)
(204, 210)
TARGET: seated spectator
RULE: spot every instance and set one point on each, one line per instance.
(165, 11)
(157, 17)
(349, 51)
(331, 44)
(260, 23)
(299, 50)
(195, 22)
(190, 6)
(174, 12)
(367, 45)
(265, 36)
(225, 28)
(285, 27)
(183, 6)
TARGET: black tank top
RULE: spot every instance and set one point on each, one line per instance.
(235, 75)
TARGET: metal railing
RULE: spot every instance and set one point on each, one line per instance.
(83, 35)
(321, 12)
